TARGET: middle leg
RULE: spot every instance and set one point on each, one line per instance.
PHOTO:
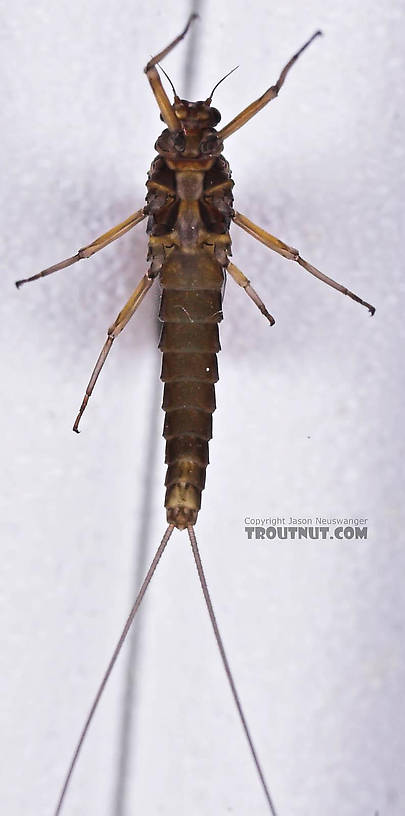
(86, 252)
(292, 254)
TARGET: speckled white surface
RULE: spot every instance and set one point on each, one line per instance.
(309, 420)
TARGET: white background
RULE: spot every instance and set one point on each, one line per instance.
(308, 421)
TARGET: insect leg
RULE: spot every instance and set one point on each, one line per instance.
(292, 254)
(162, 99)
(243, 281)
(100, 242)
(124, 316)
(268, 95)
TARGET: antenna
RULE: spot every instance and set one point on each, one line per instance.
(218, 83)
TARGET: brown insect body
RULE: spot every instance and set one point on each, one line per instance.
(189, 203)
(189, 206)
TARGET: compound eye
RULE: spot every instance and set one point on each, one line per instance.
(179, 142)
(215, 116)
(210, 144)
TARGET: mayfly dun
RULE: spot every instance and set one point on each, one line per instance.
(189, 210)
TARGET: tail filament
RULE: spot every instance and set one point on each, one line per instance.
(227, 668)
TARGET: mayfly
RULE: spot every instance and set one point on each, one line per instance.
(189, 210)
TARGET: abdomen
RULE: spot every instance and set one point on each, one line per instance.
(190, 309)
